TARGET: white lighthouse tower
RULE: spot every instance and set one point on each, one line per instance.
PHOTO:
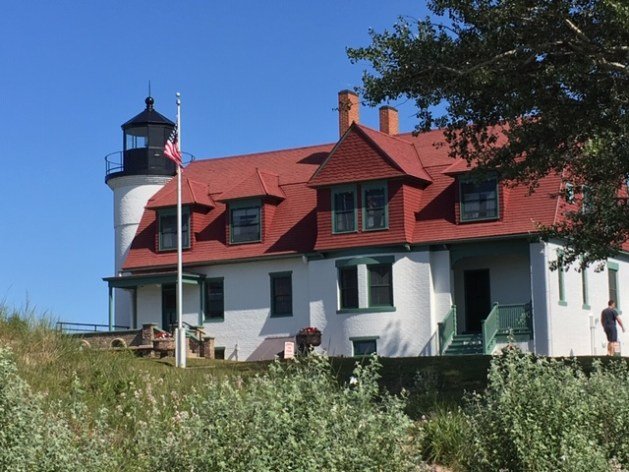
(137, 176)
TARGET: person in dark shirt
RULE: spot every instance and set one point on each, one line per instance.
(609, 318)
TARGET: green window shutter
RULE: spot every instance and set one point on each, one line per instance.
(585, 289)
(281, 294)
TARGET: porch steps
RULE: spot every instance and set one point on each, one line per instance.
(465, 344)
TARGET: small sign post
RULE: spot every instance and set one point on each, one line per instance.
(289, 350)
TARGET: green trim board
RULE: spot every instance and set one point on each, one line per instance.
(373, 309)
(281, 300)
(131, 281)
(365, 260)
(338, 190)
(372, 201)
(612, 265)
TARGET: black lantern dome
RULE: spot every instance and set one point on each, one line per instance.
(144, 138)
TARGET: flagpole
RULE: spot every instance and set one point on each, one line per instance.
(180, 336)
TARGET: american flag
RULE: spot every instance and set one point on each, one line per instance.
(171, 149)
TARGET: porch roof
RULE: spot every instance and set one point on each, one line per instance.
(155, 278)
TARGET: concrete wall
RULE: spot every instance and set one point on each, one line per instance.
(571, 321)
(248, 320)
(407, 331)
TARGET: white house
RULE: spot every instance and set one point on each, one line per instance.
(380, 240)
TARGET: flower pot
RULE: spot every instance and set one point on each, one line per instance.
(308, 339)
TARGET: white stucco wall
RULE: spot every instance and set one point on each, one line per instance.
(247, 291)
(407, 331)
(570, 320)
(131, 193)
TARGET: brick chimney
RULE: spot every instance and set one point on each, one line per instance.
(389, 121)
(348, 110)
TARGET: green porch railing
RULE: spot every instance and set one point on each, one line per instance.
(515, 318)
(447, 330)
(491, 325)
(505, 319)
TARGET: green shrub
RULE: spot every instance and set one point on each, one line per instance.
(34, 440)
(544, 414)
(446, 438)
(293, 418)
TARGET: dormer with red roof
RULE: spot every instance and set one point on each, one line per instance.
(195, 200)
(367, 190)
(251, 206)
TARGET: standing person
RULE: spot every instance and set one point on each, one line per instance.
(609, 318)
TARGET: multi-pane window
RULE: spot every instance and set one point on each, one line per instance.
(365, 347)
(479, 199)
(245, 222)
(348, 287)
(380, 285)
(168, 229)
(374, 206)
(612, 276)
(344, 209)
(214, 299)
(281, 294)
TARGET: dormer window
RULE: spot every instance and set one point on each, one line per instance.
(375, 211)
(168, 228)
(478, 198)
(344, 209)
(244, 221)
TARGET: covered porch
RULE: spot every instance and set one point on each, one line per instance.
(162, 310)
(491, 297)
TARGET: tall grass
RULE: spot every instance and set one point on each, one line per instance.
(112, 411)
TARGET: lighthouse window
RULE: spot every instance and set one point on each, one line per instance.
(168, 229)
(136, 138)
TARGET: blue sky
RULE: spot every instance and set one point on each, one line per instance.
(254, 76)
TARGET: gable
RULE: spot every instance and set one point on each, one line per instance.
(355, 159)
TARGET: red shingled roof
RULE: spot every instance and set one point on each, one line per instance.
(257, 184)
(192, 192)
(362, 154)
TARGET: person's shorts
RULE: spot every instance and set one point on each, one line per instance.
(612, 334)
